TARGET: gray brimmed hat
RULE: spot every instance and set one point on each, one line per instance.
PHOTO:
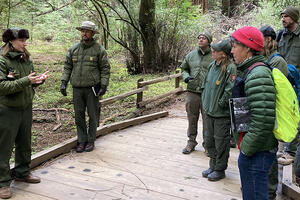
(292, 12)
(223, 45)
(88, 25)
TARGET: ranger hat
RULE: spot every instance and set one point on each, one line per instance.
(14, 33)
(250, 36)
(292, 12)
(207, 35)
(88, 25)
(223, 45)
(268, 31)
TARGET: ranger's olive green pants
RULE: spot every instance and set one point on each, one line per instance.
(193, 107)
(15, 129)
(84, 99)
(218, 142)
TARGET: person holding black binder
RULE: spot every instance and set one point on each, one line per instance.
(88, 69)
(218, 86)
(258, 144)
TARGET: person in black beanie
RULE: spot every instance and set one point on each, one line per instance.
(17, 83)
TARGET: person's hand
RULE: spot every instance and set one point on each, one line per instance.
(63, 88)
(188, 79)
(35, 79)
(102, 90)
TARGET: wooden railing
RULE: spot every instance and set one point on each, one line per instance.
(144, 85)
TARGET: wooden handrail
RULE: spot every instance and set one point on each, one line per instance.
(121, 96)
(165, 78)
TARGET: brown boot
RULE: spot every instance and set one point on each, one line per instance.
(190, 147)
(5, 192)
(29, 179)
(89, 146)
(80, 147)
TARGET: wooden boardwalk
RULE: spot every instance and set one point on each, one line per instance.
(143, 162)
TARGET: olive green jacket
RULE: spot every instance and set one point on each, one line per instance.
(217, 90)
(289, 47)
(16, 91)
(195, 65)
(280, 63)
(260, 92)
(86, 65)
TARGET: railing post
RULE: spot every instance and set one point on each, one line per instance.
(139, 97)
(177, 80)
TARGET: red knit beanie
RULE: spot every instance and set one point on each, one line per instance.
(250, 36)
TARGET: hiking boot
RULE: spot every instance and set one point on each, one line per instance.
(80, 147)
(205, 173)
(89, 146)
(216, 175)
(5, 192)
(189, 148)
(286, 159)
(29, 179)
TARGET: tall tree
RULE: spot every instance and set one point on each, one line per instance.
(149, 39)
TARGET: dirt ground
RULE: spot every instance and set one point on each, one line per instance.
(45, 121)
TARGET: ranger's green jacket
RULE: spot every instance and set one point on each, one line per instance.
(195, 65)
(260, 93)
(16, 92)
(86, 65)
(289, 47)
(217, 90)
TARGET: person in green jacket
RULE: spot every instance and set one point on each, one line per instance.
(193, 69)
(258, 145)
(87, 68)
(269, 49)
(289, 48)
(217, 87)
(17, 82)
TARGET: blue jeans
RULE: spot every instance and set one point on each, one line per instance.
(254, 174)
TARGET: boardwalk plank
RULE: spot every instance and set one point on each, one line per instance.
(143, 162)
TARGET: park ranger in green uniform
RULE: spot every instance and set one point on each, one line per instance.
(217, 87)
(87, 68)
(17, 82)
(289, 48)
(194, 68)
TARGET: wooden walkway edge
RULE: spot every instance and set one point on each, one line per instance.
(67, 145)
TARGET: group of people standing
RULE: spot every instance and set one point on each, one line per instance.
(86, 67)
(211, 71)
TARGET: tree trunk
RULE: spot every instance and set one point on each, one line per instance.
(149, 39)
(226, 7)
(204, 6)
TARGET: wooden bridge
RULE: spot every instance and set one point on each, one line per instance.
(142, 162)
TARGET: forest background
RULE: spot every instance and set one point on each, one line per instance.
(144, 39)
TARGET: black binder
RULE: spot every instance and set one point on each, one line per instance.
(239, 114)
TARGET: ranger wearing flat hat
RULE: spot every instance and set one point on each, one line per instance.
(217, 86)
(193, 69)
(289, 48)
(87, 68)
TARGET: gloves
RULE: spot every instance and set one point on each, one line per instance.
(63, 88)
(102, 90)
(188, 79)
